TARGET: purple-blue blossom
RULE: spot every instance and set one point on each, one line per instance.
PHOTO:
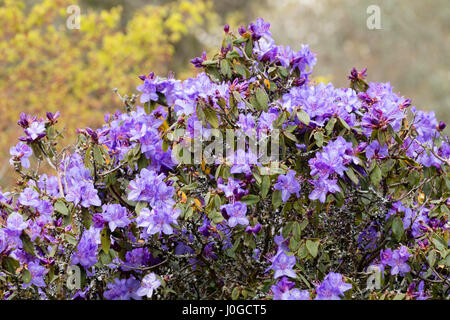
(86, 253)
(288, 185)
(37, 273)
(282, 264)
(332, 287)
(21, 152)
(157, 220)
(150, 283)
(236, 213)
(150, 187)
(123, 289)
(322, 187)
(116, 216)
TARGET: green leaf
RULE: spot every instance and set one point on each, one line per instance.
(387, 166)
(61, 207)
(240, 69)
(440, 244)
(139, 206)
(249, 48)
(276, 199)
(265, 186)
(330, 125)
(235, 293)
(284, 72)
(351, 174)
(431, 258)
(211, 117)
(303, 116)
(375, 176)
(344, 123)
(250, 199)
(296, 230)
(26, 277)
(28, 246)
(399, 296)
(303, 225)
(106, 240)
(290, 136)
(98, 155)
(225, 68)
(262, 98)
(209, 62)
(287, 229)
(213, 74)
(397, 228)
(10, 264)
(313, 247)
(318, 136)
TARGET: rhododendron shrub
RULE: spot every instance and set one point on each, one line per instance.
(351, 204)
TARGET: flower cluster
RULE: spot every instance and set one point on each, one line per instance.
(360, 172)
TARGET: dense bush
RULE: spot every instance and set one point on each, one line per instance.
(48, 67)
(151, 205)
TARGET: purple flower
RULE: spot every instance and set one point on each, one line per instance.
(98, 220)
(15, 223)
(86, 253)
(333, 159)
(21, 152)
(420, 294)
(36, 130)
(157, 220)
(49, 185)
(148, 284)
(322, 187)
(247, 124)
(122, 289)
(116, 216)
(85, 194)
(397, 260)
(232, 188)
(283, 290)
(260, 29)
(197, 62)
(296, 294)
(137, 257)
(52, 117)
(282, 264)
(3, 240)
(255, 229)
(288, 185)
(242, 162)
(332, 287)
(148, 89)
(374, 149)
(385, 109)
(265, 122)
(385, 256)
(150, 187)
(37, 273)
(29, 197)
(236, 213)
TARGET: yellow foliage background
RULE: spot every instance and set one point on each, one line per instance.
(45, 66)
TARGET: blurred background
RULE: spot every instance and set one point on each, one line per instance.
(45, 66)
